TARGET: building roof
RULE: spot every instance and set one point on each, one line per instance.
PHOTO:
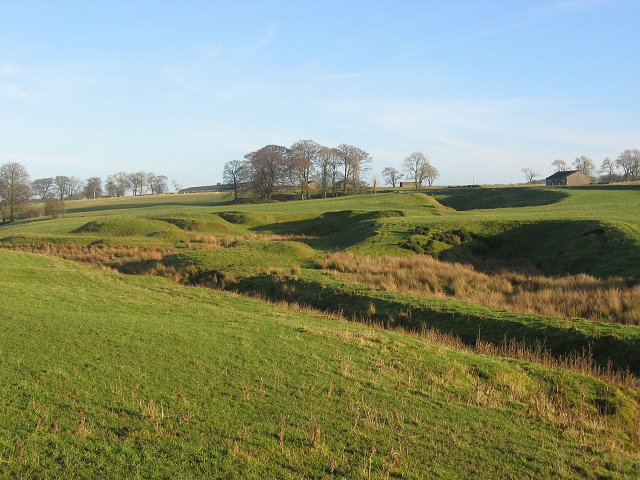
(563, 174)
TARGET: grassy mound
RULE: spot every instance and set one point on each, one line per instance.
(129, 227)
(244, 257)
(135, 376)
(213, 225)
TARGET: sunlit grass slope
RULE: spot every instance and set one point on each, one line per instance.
(110, 376)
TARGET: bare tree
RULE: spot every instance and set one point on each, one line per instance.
(430, 173)
(608, 167)
(391, 176)
(303, 156)
(629, 162)
(361, 160)
(530, 174)
(138, 182)
(42, 187)
(157, 183)
(331, 161)
(15, 188)
(93, 187)
(345, 164)
(61, 186)
(118, 184)
(176, 186)
(375, 180)
(585, 165)
(267, 168)
(110, 186)
(354, 162)
(75, 187)
(235, 174)
(327, 163)
(414, 166)
(560, 165)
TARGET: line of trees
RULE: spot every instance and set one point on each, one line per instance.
(116, 185)
(17, 189)
(335, 169)
(625, 168)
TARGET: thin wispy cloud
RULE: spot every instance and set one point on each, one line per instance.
(32, 83)
(501, 84)
(215, 72)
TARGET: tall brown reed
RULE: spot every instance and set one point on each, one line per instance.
(610, 300)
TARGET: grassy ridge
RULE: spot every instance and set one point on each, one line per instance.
(244, 257)
(137, 377)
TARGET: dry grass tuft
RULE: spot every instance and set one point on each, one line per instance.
(315, 433)
(133, 260)
(211, 242)
(281, 434)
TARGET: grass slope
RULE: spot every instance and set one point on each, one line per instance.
(608, 342)
(110, 376)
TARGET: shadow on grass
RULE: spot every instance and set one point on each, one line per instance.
(555, 248)
(490, 198)
(617, 187)
(607, 343)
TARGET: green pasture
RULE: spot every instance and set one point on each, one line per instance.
(123, 376)
(112, 376)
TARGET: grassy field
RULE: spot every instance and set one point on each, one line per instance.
(114, 375)
(137, 377)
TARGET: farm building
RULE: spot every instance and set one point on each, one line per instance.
(410, 185)
(568, 177)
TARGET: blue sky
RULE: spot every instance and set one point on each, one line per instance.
(485, 88)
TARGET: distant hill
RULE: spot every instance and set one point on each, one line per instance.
(219, 187)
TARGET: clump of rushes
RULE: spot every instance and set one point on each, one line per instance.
(610, 300)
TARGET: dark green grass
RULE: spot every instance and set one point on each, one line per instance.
(504, 197)
(244, 257)
(223, 373)
(560, 247)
